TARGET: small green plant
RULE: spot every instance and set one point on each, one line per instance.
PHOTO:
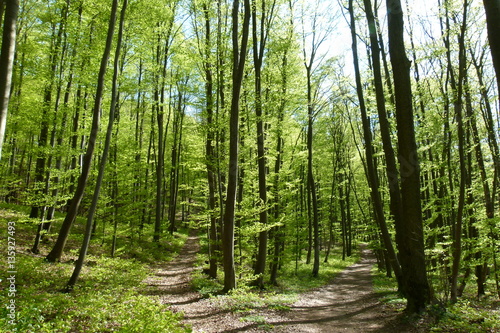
(387, 289)
(204, 285)
(469, 315)
(298, 279)
(105, 300)
(245, 300)
(258, 319)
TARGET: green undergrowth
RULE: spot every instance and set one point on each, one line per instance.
(298, 279)
(387, 290)
(292, 281)
(108, 297)
(468, 315)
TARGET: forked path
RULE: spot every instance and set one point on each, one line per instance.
(348, 304)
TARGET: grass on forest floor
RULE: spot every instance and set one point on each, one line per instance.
(107, 296)
(292, 281)
(468, 315)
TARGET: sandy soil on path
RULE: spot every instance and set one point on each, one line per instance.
(348, 304)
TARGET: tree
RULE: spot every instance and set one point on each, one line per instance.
(56, 252)
(259, 38)
(205, 50)
(239, 56)
(43, 161)
(457, 86)
(372, 174)
(114, 101)
(409, 234)
(311, 63)
(164, 42)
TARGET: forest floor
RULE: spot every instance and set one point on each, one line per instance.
(348, 304)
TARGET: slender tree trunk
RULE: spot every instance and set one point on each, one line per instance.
(410, 239)
(458, 105)
(211, 158)
(162, 55)
(114, 188)
(175, 158)
(488, 199)
(312, 187)
(493, 144)
(160, 149)
(43, 161)
(90, 218)
(239, 56)
(277, 168)
(372, 174)
(259, 37)
(56, 252)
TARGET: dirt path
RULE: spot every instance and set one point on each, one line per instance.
(172, 284)
(348, 304)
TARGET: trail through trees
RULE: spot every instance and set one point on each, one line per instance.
(347, 304)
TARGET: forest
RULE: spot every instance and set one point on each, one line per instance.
(285, 135)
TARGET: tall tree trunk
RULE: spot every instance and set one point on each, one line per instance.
(43, 161)
(239, 56)
(162, 55)
(370, 164)
(409, 235)
(259, 37)
(396, 206)
(493, 144)
(114, 186)
(488, 199)
(458, 105)
(7, 62)
(160, 160)
(114, 100)
(175, 158)
(56, 252)
(210, 155)
(310, 174)
(277, 168)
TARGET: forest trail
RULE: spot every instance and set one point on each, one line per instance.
(348, 304)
